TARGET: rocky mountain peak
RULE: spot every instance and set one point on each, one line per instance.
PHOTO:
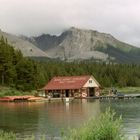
(77, 43)
(23, 43)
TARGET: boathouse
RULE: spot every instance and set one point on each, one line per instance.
(72, 86)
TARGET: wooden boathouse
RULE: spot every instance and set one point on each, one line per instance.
(72, 86)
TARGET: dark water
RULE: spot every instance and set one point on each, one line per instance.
(50, 119)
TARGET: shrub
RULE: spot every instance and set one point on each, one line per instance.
(7, 136)
(106, 127)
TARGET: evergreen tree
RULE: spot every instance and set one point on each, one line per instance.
(27, 74)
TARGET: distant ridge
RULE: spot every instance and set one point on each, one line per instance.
(80, 44)
(76, 45)
(27, 48)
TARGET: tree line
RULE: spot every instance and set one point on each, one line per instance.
(27, 74)
(108, 75)
(17, 71)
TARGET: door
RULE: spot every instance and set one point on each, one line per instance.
(67, 93)
(91, 92)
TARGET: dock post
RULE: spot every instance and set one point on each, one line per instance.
(138, 137)
(67, 99)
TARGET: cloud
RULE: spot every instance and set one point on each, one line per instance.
(33, 17)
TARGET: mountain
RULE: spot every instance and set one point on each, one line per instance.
(75, 44)
(79, 44)
(26, 47)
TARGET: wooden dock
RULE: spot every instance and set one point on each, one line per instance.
(125, 96)
(33, 98)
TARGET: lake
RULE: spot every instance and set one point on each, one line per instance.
(51, 119)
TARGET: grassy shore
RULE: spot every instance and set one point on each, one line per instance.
(129, 89)
(8, 91)
(125, 90)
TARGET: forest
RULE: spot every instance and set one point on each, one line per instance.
(28, 74)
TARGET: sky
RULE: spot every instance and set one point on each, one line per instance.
(121, 18)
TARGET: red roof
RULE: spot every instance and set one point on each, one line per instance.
(67, 82)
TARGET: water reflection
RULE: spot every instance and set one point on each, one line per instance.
(46, 118)
(19, 117)
(58, 116)
(50, 118)
(130, 111)
(74, 112)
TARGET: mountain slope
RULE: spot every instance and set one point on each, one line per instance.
(76, 44)
(26, 47)
(80, 44)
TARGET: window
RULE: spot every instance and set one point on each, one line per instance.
(90, 81)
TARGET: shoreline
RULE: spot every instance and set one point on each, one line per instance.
(125, 90)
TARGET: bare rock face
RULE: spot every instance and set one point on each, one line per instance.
(76, 44)
(82, 44)
(26, 47)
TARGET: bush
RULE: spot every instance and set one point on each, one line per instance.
(106, 127)
(12, 136)
(7, 136)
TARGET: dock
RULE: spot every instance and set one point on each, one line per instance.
(125, 96)
(35, 99)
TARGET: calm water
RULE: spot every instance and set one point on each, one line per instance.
(51, 118)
